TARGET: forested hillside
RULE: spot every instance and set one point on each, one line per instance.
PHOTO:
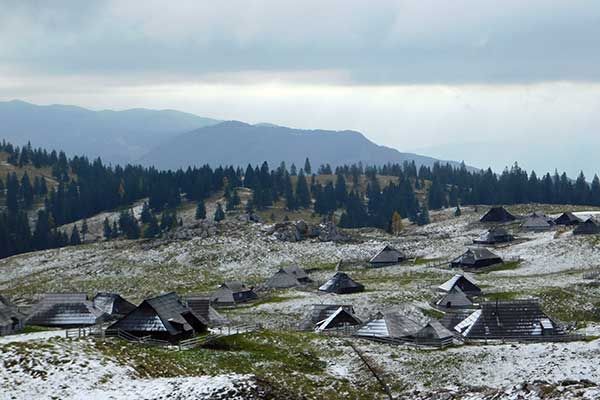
(354, 195)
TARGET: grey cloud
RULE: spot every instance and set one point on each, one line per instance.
(387, 43)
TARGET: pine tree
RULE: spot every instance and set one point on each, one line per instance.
(146, 214)
(108, 234)
(75, 240)
(340, 190)
(307, 167)
(423, 217)
(200, 210)
(219, 213)
(595, 192)
(293, 170)
(302, 193)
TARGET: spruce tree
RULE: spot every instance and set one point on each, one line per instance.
(595, 192)
(302, 193)
(84, 229)
(152, 230)
(146, 214)
(219, 213)
(200, 210)
(307, 167)
(457, 212)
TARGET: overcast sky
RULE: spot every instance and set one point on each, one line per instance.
(452, 79)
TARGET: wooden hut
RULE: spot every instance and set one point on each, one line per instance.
(65, 310)
(200, 305)
(113, 305)
(476, 258)
(341, 283)
(455, 298)
(568, 219)
(11, 320)
(340, 319)
(495, 235)
(232, 293)
(465, 284)
(434, 334)
(538, 223)
(299, 273)
(387, 256)
(389, 327)
(516, 320)
(497, 214)
(282, 280)
(589, 227)
(321, 312)
(163, 317)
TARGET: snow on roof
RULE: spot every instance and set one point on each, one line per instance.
(449, 284)
(374, 328)
(465, 326)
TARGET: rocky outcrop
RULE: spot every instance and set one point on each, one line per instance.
(301, 230)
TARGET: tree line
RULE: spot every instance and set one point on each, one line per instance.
(82, 188)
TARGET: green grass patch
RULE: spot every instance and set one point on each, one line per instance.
(507, 266)
(291, 362)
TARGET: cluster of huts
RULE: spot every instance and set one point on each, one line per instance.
(166, 317)
(583, 223)
(171, 318)
(465, 319)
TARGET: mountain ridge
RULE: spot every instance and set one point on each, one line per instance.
(239, 143)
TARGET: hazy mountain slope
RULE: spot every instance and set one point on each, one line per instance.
(238, 143)
(116, 136)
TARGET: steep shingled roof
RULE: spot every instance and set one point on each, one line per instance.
(388, 255)
(65, 309)
(341, 283)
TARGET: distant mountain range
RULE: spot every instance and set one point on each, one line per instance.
(173, 139)
(238, 143)
(116, 136)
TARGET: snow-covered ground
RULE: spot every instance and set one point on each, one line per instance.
(66, 369)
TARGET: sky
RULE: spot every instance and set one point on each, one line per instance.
(483, 81)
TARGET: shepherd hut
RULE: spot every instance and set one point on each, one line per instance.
(321, 312)
(465, 284)
(341, 283)
(232, 293)
(517, 320)
(113, 305)
(282, 280)
(299, 273)
(538, 223)
(389, 327)
(455, 298)
(340, 319)
(568, 219)
(200, 305)
(434, 334)
(387, 256)
(494, 236)
(476, 258)
(65, 310)
(11, 320)
(497, 214)
(589, 227)
(164, 317)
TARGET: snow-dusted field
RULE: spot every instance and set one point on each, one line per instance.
(552, 267)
